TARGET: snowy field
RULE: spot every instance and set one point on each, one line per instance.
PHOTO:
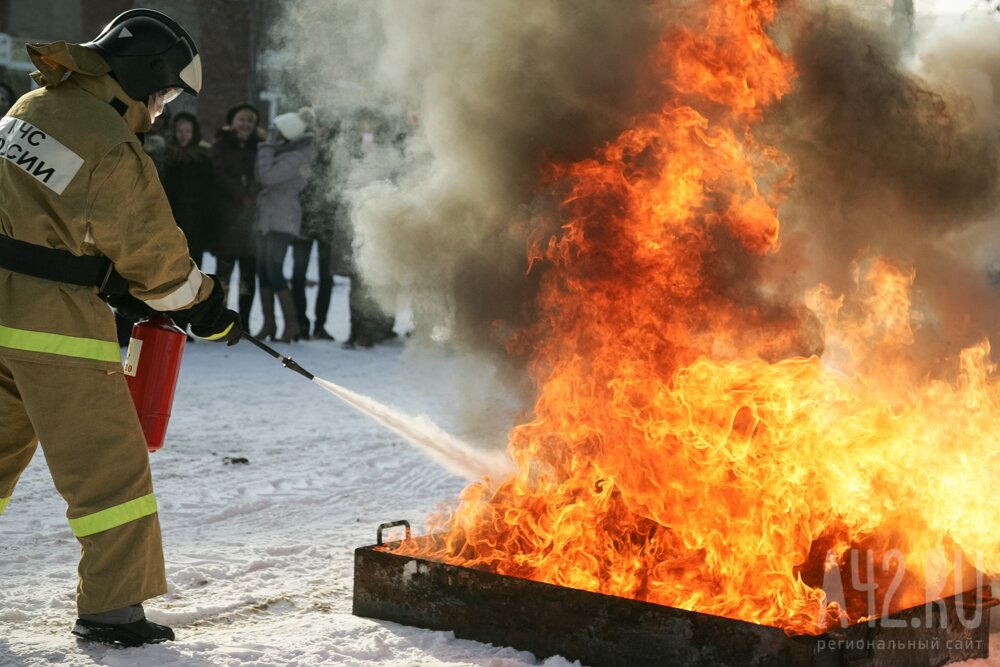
(259, 555)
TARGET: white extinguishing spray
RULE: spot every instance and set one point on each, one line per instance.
(444, 448)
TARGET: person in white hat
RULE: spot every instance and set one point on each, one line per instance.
(284, 164)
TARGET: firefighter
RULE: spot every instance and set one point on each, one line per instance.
(83, 217)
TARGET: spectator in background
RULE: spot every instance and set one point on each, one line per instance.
(319, 210)
(371, 143)
(234, 154)
(188, 181)
(7, 98)
(284, 165)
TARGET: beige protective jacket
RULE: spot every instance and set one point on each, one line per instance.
(73, 176)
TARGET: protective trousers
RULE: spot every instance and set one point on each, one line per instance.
(96, 453)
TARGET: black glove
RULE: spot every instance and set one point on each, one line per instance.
(128, 307)
(210, 319)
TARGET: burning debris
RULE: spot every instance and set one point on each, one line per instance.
(714, 430)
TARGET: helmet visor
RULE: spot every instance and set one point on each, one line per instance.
(191, 75)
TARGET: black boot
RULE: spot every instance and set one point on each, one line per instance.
(135, 633)
(246, 303)
(292, 331)
(356, 341)
(267, 305)
(320, 333)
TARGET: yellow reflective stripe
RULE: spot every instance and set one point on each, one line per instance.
(67, 346)
(3, 504)
(219, 335)
(98, 522)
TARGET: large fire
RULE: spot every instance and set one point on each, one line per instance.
(698, 444)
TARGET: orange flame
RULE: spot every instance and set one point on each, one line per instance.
(689, 446)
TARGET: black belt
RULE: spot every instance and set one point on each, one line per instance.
(60, 266)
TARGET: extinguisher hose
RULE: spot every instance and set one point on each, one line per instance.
(287, 362)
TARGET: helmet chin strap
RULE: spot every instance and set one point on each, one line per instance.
(155, 104)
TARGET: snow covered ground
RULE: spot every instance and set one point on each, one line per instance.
(259, 555)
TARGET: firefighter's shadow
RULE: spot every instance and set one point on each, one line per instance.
(155, 654)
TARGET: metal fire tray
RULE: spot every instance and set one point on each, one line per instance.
(601, 629)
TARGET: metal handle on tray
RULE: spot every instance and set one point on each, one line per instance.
(392, 524)
(984, 600)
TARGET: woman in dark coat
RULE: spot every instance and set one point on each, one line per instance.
(188, 182)
(234, 155)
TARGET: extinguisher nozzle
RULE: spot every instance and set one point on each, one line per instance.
(287, 362)
(290, 364)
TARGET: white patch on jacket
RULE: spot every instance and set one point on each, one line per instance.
(38, 154)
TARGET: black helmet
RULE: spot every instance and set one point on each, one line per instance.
(149, 52)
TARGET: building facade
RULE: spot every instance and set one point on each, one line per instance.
(228, 34)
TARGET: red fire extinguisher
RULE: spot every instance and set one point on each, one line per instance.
(152, 364)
